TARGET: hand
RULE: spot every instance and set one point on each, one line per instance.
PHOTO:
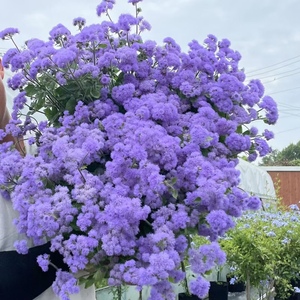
(1, 69)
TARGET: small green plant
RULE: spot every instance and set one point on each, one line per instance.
(264, 247)
(277, 186)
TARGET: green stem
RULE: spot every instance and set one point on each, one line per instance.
(136, 15)
(35, 82)
(120, 292)
(185, 282)
(141, 295)
(13, 41)
(248, 288)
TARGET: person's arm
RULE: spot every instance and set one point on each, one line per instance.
(20, 275)
(5, 116)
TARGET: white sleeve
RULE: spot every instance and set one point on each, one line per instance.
(8, 231)
(9, 234)
(84, 294)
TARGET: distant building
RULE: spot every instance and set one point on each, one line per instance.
(287, 180)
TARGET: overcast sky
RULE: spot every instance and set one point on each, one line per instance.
(265, 32)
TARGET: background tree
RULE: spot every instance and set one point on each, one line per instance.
(289, 156)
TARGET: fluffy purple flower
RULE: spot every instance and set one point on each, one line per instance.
(237, 142)
(65, 284)
(126, 21)
(253, 203)
(19, 103)
(219, 221)
(43, 261)
(8, 33)
(199, 287)
(123, 93)
(271, 109)
(104, 6)
(134, 1)
(17, 81)
(268, 134)
(21, 246)
(253, 131)
(262, 146)
(140, 146)
(252, 156)
(59, 31)
(143, 25)
(9, 54)
(162, 290)
(64, 57)
(80, 22)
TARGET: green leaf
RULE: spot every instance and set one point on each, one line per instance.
(239, 129)
(171, 279)
(71, 104)
(89, 282)
(174, 193)
(173, 180)
(95, 92)
(120, 78)
(99, 276)
(30, 90)
(52, 114)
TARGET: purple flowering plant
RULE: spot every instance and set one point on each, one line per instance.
(264, 247)
(137, 151)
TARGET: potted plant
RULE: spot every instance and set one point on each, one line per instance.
(186, 295)
(235, 285)
(264, 247)
(218, 289)
(217, 285)
(137, 150)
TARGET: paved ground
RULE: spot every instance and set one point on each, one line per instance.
(237, 296)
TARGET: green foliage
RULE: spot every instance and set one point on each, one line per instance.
(53, 99)
(289, 156)
(199, 240)
(265, 247)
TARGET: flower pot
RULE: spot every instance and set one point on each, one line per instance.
(295, 282)
(218, 290)
(295, 296)
(237, 287)
(184, 296)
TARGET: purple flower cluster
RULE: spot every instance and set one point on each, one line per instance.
(146, 154)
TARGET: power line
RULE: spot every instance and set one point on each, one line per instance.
(275, 79)
(276, 64)
(286, 130)
(287, 105)
(257, 74)
(289, 114)
(287, 90)
(267, 76)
